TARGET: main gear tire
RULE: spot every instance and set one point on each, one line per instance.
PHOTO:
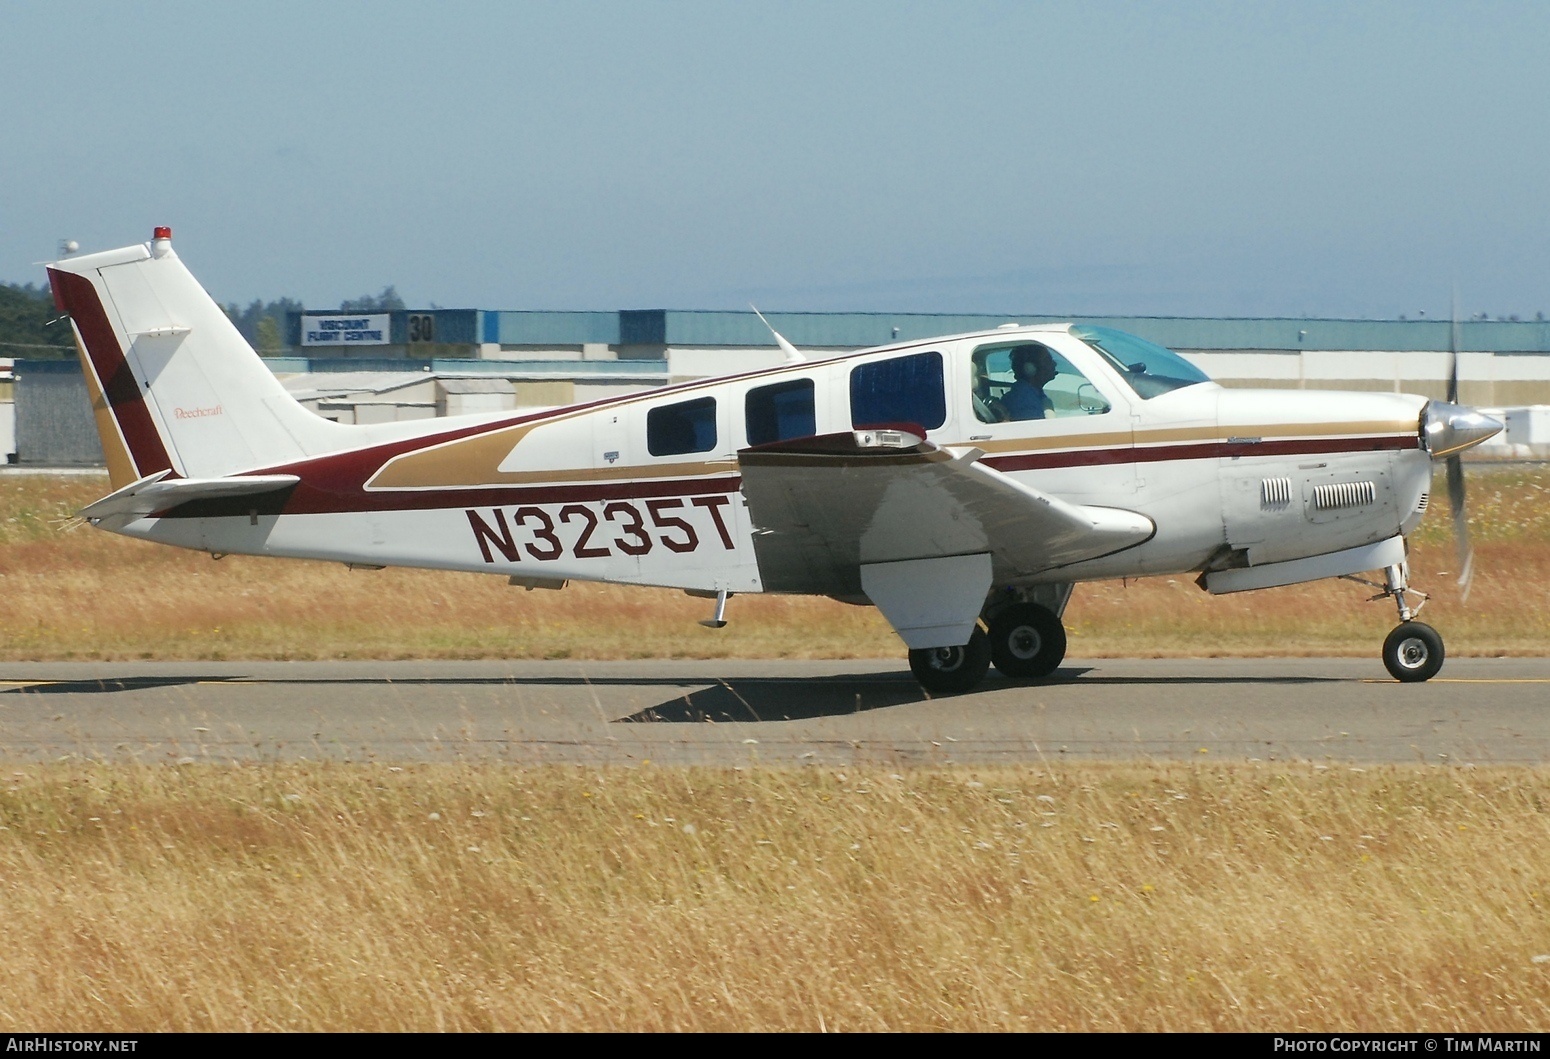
(952, 670)
(1027, 641)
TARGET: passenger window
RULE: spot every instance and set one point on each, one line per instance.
(1029, 380)
(674, 429)
(780, 412)
(901, 390)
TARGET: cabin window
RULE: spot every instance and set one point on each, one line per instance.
(1025, 380)
(781, 412)
(899, 391)
(674, 429)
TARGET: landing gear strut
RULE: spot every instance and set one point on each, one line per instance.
(1413, 652)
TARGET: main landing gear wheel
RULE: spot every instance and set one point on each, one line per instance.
(1413, 652)
(1027, 640)
(952, 670)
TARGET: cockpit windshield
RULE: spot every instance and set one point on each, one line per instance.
(1150, 369)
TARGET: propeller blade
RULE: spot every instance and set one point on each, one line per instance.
(1466, 554)
(1453, 352)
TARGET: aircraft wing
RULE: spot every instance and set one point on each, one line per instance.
(831, 513)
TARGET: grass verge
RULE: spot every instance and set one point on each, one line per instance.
(464, 897)
(67, 591)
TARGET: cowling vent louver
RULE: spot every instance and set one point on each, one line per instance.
(1344, 494)
(1275, 492)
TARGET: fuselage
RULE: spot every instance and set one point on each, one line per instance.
(646, 489)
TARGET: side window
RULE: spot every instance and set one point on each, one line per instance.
(901, 390)
(1029, 380)
(674, 429)
(781, 411)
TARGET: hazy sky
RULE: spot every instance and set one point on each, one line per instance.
(1186, 158)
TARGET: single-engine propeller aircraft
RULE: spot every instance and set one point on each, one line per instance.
(961, 485)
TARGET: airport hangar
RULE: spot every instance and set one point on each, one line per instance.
(412, 364)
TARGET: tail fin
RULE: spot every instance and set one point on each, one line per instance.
(174, 386)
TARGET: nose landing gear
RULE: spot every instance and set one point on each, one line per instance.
(1413, 652)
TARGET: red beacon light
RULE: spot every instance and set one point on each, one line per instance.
(161, 241)
(162, 232)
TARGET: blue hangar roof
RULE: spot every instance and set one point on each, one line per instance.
(717, 328)
(671, 327)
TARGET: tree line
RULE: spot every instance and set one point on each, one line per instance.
(25, 329)
(32, 329)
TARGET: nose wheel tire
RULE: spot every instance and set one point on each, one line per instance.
(1413, 652)
(952, 670)
(1027, 640)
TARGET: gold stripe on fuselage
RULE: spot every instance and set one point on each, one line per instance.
(1278, 430)
(474, 462)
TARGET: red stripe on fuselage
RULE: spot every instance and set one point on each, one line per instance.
(307, 499)
(336, 484)
(78, 296)
(1208, 450)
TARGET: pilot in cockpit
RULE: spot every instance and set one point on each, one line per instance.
(1033, 366)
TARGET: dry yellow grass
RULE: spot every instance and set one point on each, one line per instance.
(467, 897)
(80, 593)
(353, 897)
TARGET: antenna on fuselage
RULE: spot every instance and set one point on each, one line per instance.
(793, 354)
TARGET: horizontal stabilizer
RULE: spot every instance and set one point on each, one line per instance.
(156, 493)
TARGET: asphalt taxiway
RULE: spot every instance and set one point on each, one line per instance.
(1483, 711)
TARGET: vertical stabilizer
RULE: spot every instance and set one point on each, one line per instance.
(174, 385)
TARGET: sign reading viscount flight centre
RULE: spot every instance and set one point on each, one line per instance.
(345, 330)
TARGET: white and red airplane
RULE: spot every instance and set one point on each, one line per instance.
(962, 485)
